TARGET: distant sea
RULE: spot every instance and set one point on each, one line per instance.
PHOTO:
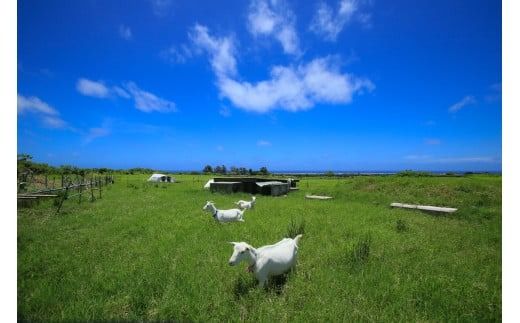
(374, 172)
(361, 172)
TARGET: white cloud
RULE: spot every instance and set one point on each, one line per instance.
(417, 157)
(478, 159)
(291, 88)
(49, 116)
(261, 18)
(148, 102)
(450, 160)
(221, 50)
(225, 112)
(144, 100)
(295, 88)
(176, 55)
(328, 24)
(467, 100)
(120, 92)
(92, 88)
(289, 40)
(263, 143)
(161, 7)
(53, 122)
(125, 32)
(432, 141)
(34, 104)
(273, 19)
(495, 93)
(94, 133)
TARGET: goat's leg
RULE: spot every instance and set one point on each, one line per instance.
(261, 282)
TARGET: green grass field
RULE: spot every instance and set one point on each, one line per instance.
(149, 252)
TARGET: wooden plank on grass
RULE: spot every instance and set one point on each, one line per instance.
(424, 207)
(318, 197)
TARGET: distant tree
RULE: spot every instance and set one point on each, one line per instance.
(242, 171)
(329, 173)
(263, 171)
(233, 170)
(66, 169)
(103, 170)
(207, 169)
(221, 169)
(250, 171)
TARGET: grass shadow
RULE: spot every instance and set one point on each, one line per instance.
(277, 283)
(243, 286)
(440, 214)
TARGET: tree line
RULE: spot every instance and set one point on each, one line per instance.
(25, 163)
(233, 170)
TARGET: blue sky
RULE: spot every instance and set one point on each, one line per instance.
(324, 85)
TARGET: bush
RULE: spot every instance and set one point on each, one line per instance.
(411, 173)
(401, 226)
(361, 250)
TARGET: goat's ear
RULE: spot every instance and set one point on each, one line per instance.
(233, 243)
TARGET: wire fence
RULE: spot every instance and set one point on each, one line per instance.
(86, 188)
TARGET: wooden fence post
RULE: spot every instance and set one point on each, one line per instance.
(91, 191)
(80, 189)
(63, 198)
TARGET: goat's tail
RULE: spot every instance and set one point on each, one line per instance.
(297, 239)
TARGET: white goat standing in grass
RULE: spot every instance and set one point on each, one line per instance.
(268, 260)
(231, 215)
(246, 204)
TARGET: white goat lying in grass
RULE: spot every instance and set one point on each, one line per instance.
(230, 215)
(268, 260)
(246, 204)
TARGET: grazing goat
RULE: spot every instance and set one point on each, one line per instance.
(231, 215)
(268, 260)
(246, 204)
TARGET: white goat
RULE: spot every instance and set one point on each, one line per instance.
(268, 260)
(246, 204)
(230, 215)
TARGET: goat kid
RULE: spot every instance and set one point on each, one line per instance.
(246, 204)
(266, 261)
(231, 215)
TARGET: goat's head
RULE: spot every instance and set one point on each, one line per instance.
(208, 206)
(241, 251)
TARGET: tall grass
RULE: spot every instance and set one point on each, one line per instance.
(295, 228)
(149, 253)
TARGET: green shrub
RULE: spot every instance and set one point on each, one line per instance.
(401, 226)
(361, 250)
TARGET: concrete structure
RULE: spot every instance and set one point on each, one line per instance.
(252, 185)
(161, 178)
